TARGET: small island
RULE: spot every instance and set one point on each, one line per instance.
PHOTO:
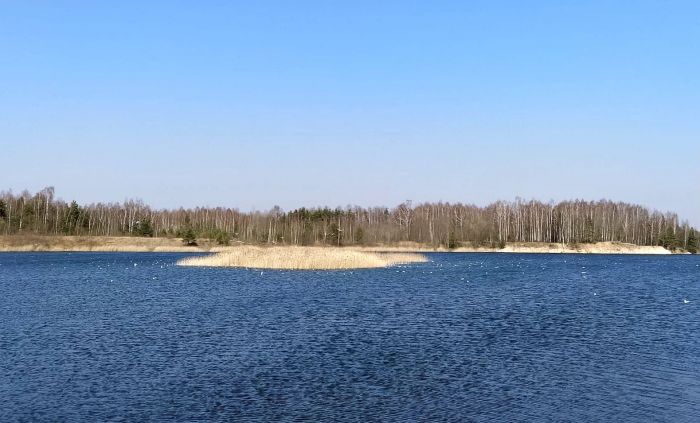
(301, 258)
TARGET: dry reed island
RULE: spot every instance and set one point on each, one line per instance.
(302, 258)
(339, 238)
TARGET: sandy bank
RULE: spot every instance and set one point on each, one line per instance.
(597, 248)
(136, 244)
(301, 258)
(535, 247)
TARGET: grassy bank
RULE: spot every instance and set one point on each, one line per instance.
(96, 243)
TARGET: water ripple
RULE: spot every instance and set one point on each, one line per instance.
(466, 337)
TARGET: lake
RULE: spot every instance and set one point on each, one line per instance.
(466, 337)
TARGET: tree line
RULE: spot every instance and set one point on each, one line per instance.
(443, 224)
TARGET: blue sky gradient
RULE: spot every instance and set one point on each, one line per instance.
(252, 104)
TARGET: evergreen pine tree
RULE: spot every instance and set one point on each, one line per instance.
(72, 218)
(334, 234)
(189, 237)
(588, 231)
(669, 240)
(359, 236)
(144, 227)
(692, 246)
(222, 237)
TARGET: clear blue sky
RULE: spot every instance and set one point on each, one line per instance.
(252, 104)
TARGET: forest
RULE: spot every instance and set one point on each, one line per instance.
(448, 225)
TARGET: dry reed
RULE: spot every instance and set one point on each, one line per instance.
(93, 243)
(301, 258)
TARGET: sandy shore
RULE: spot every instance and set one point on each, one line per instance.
(537, 248)
(135, 244)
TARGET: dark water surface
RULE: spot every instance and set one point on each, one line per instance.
(467, 337)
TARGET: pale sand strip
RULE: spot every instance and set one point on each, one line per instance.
(136, 244)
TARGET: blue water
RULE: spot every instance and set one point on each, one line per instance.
(466, 337)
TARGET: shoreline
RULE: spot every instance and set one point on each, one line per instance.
(543, 248)
(35, 243)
